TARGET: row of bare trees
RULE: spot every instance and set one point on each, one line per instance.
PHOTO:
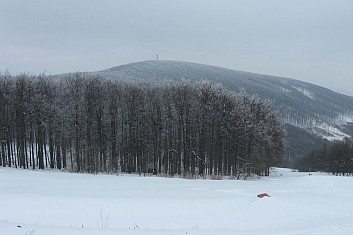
(88, 124)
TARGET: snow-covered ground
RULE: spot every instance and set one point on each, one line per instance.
(51, 202)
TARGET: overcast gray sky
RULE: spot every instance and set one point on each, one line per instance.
(309, 40)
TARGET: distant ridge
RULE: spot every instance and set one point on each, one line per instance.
(311, 113)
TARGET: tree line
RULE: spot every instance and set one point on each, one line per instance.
(85, 123)
(335, 158)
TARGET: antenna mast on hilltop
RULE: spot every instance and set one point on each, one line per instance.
(157, 57)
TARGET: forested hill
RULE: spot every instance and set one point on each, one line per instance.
(89, 124)
(317, 111)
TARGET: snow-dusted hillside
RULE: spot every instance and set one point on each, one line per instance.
(301, 104)
(45, 202)
(313, 111)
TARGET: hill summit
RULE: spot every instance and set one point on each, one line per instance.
(311, 113)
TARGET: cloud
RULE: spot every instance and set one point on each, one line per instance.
(307, 40)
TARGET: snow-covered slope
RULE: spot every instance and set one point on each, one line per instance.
(301, 104)
(44, 202)
(318, 111)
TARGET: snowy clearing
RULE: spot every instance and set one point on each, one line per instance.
(52, 202)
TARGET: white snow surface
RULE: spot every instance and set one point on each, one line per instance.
(53, 202)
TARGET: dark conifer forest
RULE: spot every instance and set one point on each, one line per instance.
(85, 123)
(335, 158)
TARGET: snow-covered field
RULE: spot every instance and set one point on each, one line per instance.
(51, 202)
